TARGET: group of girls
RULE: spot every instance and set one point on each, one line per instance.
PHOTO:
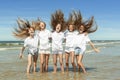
(73, 32)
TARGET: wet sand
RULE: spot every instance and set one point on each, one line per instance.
(102, 66)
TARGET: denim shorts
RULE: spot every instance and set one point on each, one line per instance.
(35, 53)
(77, 50)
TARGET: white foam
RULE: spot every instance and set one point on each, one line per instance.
(105, 43)
(13, 48)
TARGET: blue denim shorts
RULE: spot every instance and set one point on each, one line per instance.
(77, 50)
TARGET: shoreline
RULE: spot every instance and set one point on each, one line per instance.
(99, 66)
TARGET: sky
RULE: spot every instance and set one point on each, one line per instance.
(105, 12)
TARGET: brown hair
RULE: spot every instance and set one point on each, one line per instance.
(36, 24)
(58, 18)
(22, 30)
(74, 19)
(90, 25)
(43, 23)
(78, 18)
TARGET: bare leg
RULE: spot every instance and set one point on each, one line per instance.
(55, 62)
(67, 61)
(72, 54)
(61, 62)
(46, 61)
(80, 63)
(35, 57)
(41, 63)
(29, 63)
(77, 58)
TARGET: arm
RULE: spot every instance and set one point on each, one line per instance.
(92, 45)
(64, 40)
(50, 37)
(21, 53)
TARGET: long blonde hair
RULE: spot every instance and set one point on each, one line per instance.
(22, 30)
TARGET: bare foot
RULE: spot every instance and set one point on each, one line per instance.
(75, 69)
(84, 72)
(63, 72)
(34, 72)
(79, 69)
(54, 72)
(28, 73)
(67, 70)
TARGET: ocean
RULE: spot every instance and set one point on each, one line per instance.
(99, 66)
(9, 45)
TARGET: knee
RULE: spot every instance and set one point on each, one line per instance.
(29, 64)
(79, 63)
(35, 64)
(55, 63)
(72, 62)
(46, 63)
(41, 62)
(61, 63)
(67, 63)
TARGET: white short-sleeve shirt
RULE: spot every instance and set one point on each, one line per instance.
(32, 44)
(57, 40)
(70, 38)
(81, 40)
(44, 39)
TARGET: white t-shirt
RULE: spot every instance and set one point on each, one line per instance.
(32, 44)
(81, 40)
(44, 39)
(70, 38)
(57, 40)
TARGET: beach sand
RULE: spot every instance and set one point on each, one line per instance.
(100, 66)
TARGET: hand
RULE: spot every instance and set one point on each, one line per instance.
(97, 50)
(20, 55)
(64, 41)
(50, 39)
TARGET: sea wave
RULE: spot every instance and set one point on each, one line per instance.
(106, 43)
(12, 48)
(96, 42)
(11, 43)
(17, 45)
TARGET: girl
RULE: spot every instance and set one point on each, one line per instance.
(69, 48)
(26, 31)
(58, 26)
(44, 47)
(82, 39)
